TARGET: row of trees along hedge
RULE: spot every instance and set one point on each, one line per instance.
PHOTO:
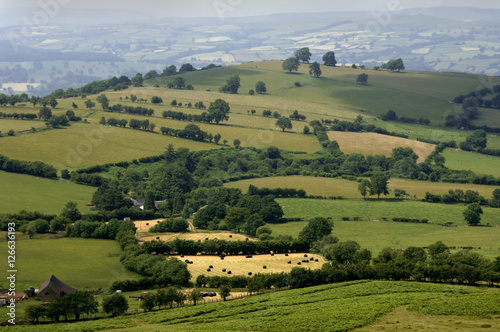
(137, 110)
(36, 168)
(356, 126)
(218, 247)
(192, 132)
(276, 192)
(392, 116)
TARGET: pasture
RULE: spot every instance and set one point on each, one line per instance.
(84, 264)
(478, 163)
(339, 307)
(25, 192)
(377, 144)
(82, 145)
(241, 266)
(19, 125)
(376, 236)
(379, 209)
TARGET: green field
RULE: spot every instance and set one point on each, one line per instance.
(328, 187)
(335, 307)
(478, 163)
(81, 263)
(376, 236)
(82, 145)
(25, 192)
(377, 210)
(19, 125)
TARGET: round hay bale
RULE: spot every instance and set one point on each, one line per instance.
(157, 237)
(147, 224)
(286, 254)
(182, 255)
(223, 270)
(228, 272)
(289, 262)
(298, 263)
(316, 260)
(305, 255)
(206, 239)
(264, 267)
(311, 259)
(208, 270)
(211, 266)
(249, 273)
(230, 236)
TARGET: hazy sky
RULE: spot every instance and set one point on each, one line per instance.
(232, 8)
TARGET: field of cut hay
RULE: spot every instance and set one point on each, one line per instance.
(373, 144)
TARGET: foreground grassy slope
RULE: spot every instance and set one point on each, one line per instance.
(25, 192)
(336, 307)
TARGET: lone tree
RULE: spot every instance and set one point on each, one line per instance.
(395, 65)
(329, 59)
(232, 85)
(224, 291)
(303, 54)
(362, 79)
(45, 113)
(473, 214)
(260, 87)
(315, 69)
(89, 104)
(291, 64)
(378, 184)
(116, 305)
(104, 101)
(284, 123)
(156, 100)
(363, 188)
(316, 229)
(219, 110)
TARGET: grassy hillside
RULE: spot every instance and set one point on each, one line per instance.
(25, 192)
(379, 235)
(377, 210)
(478, 163)
(81, 263)
(414, 94)
(336, 307)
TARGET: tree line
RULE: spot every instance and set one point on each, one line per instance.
(35, 168)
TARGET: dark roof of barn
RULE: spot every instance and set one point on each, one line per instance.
(57, 286)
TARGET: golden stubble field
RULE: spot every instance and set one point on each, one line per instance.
(377, 144)
(241, 266)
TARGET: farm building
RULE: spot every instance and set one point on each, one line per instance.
(53, 288)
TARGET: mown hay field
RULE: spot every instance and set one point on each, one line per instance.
(377, 144)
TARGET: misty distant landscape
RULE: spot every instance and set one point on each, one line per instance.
(40, 59)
